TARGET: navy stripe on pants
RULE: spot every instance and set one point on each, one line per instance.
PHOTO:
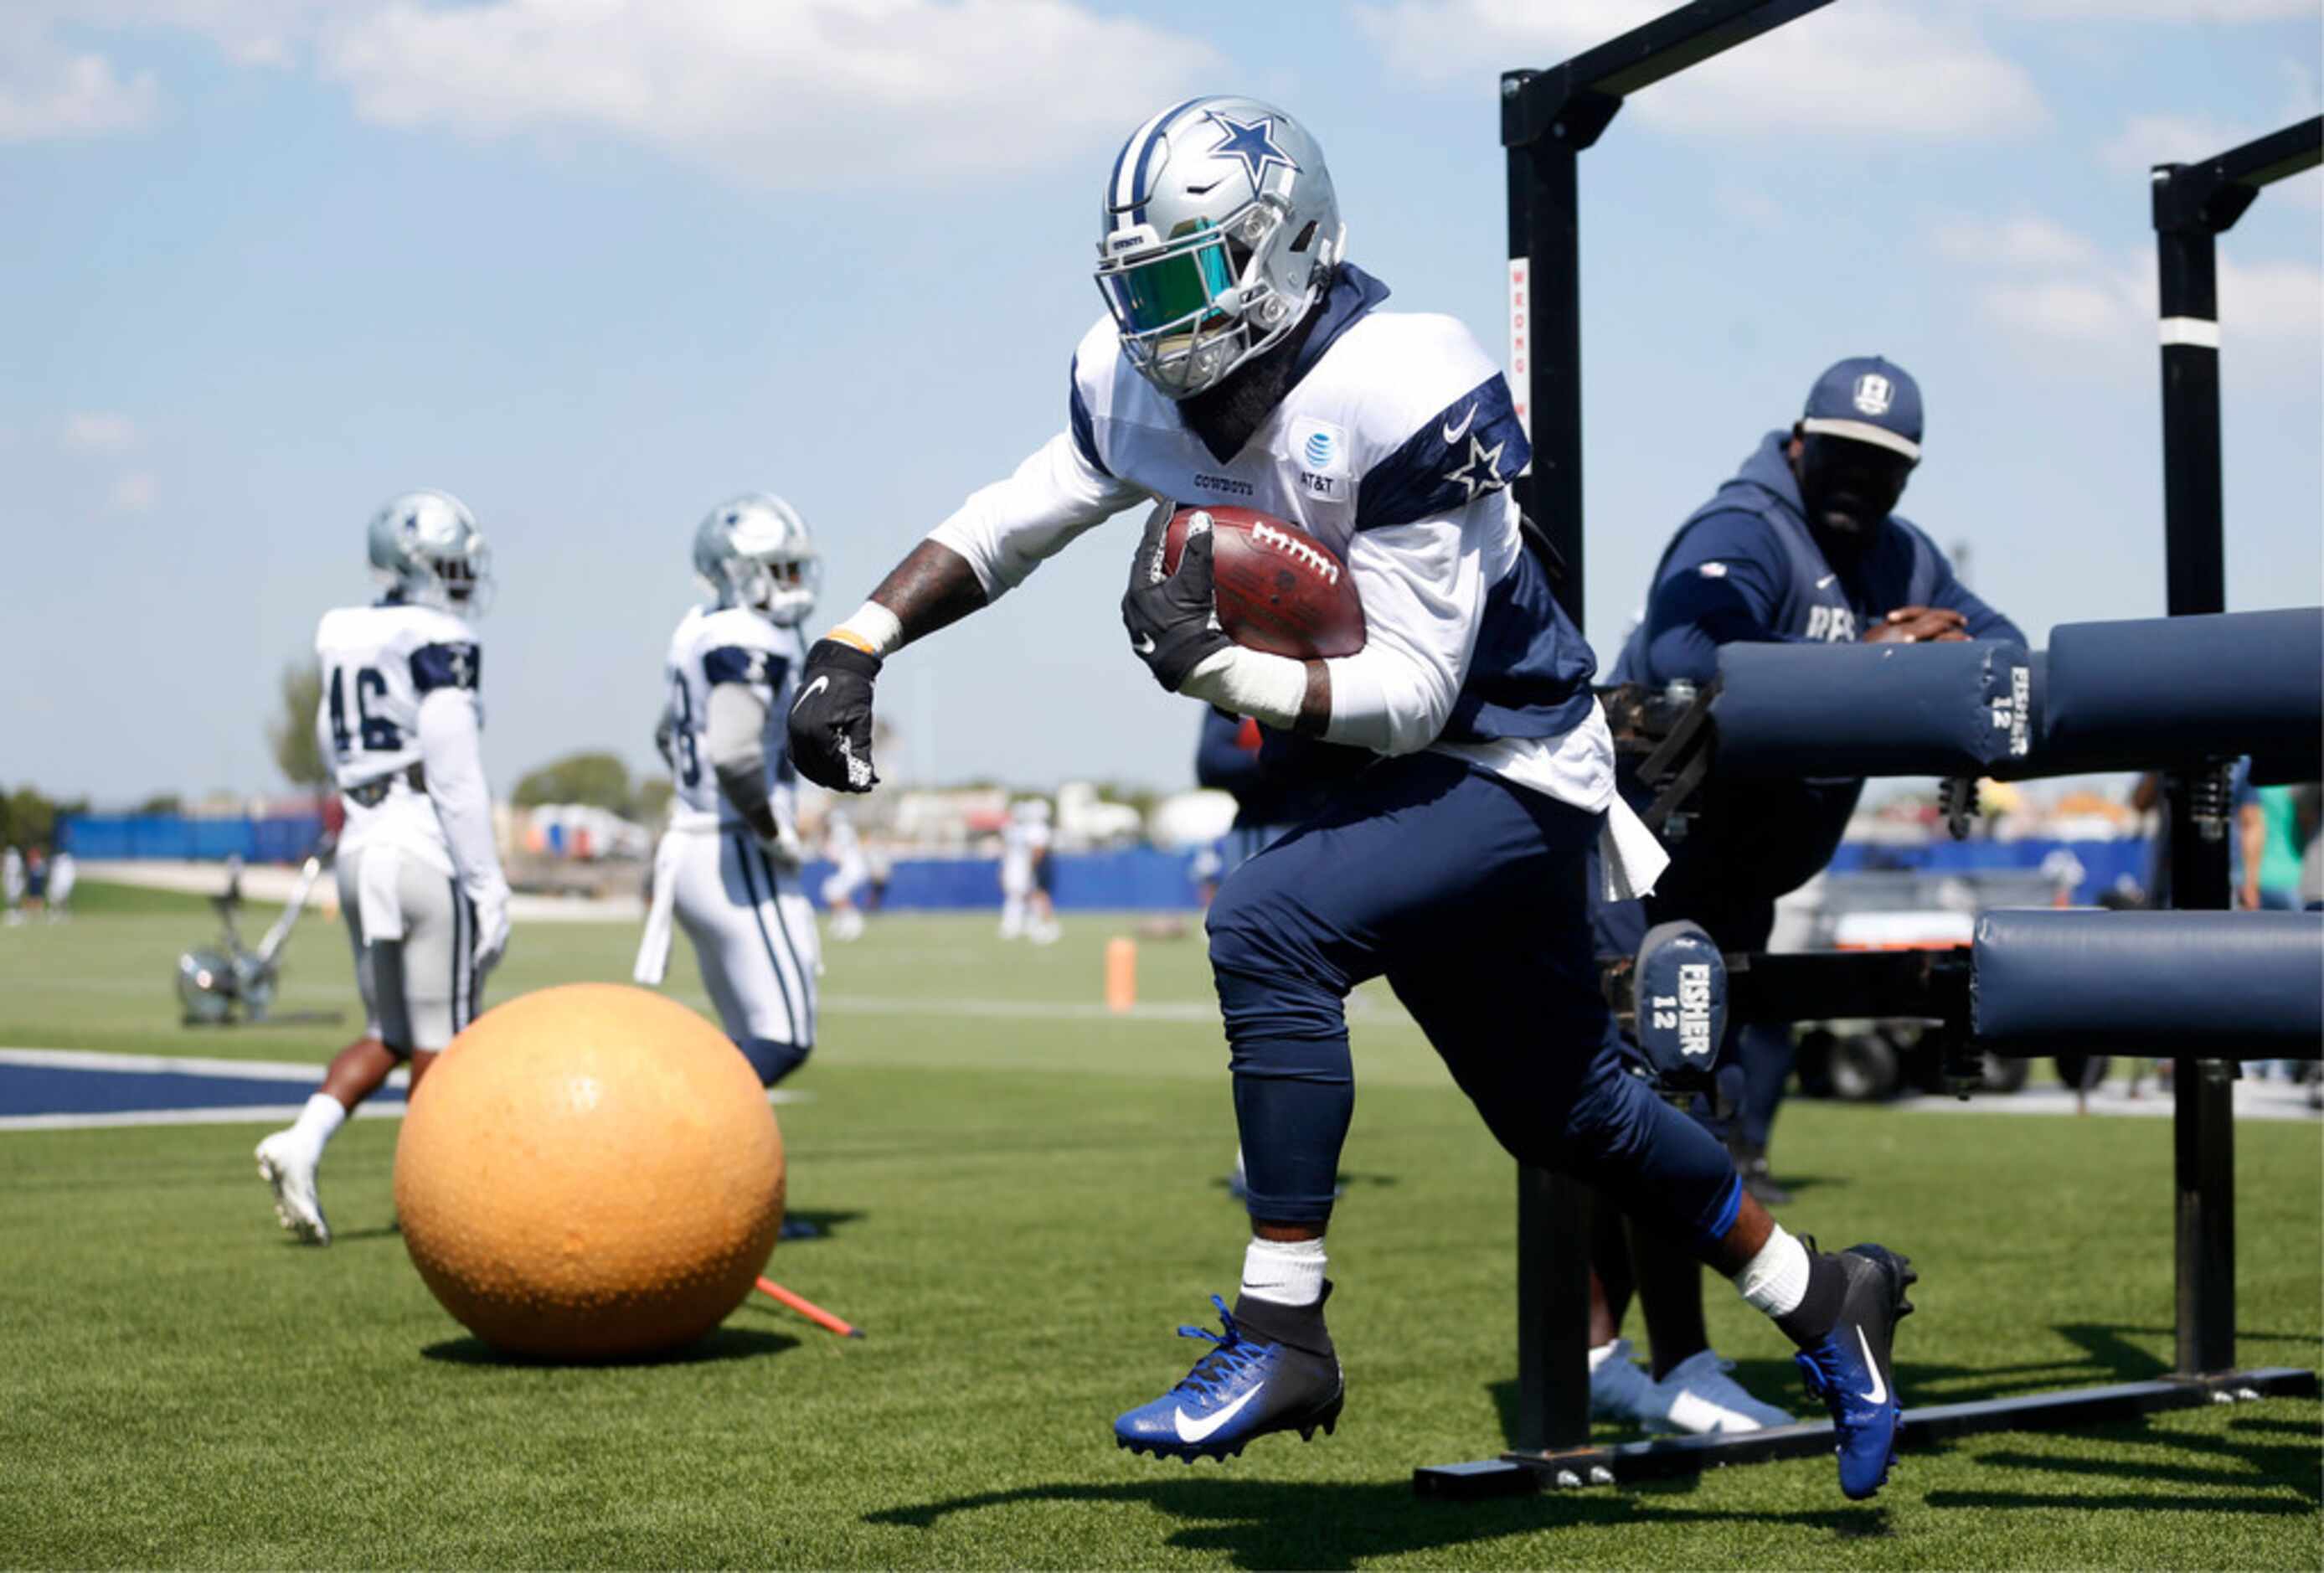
(1469, 894)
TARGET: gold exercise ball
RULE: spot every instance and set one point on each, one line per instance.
(590, 1172)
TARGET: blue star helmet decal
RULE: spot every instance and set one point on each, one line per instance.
(1253, 143)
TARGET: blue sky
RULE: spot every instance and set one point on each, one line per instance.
(594, 266)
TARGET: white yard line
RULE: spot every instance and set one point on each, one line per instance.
(160, 1064)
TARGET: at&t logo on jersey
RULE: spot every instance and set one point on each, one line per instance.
(1321, 451)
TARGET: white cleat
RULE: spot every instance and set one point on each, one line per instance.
(288, 1167)
(1699, 1397)
(1620, 1390)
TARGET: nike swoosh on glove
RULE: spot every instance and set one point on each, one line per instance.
(831, 720)
(1172, 618)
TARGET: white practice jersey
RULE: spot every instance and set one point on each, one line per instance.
(1021, 843)
(733, 644)
(1394, 447)
(378, 663)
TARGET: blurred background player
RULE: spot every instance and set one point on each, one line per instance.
(1803, 545)
(420, 879)
(1028, 906)
(36, 879)
(62, 875)
(851, 872)
(1242, 359)
(11, 884)
(728, 866)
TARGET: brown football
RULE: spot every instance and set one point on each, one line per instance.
(1278, 588)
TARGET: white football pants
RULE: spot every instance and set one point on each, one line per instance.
(414, 934)
(752, 929)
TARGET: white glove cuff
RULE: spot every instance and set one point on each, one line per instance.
(874, 629)
(1268, 689)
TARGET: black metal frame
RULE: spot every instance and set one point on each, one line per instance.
(1548, 119)
(2194, 204)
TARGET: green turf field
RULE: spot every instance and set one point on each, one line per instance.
(1023, 1200)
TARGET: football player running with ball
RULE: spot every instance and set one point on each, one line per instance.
(420, 879)
(1243, 360)
(728, 866)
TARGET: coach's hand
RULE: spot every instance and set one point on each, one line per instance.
(1918, 625)
(831, 720)
(1172, 617)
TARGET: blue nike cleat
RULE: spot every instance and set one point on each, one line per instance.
(1247, 1386)
(1850, 1369)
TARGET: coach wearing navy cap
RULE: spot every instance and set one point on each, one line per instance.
(1802, 546)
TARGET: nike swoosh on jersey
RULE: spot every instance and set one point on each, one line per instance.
(1826, 579)
(1191, 1430)
(1453, 434)
(1879, 1393)
(809, 691)
(1143, 644)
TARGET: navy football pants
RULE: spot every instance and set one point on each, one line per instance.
(1469, 894)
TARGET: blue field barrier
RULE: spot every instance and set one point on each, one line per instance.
(1133, 879)
(286, 839)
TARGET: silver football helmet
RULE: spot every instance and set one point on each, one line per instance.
(754, 551)
(1220, 230)
(426, 548)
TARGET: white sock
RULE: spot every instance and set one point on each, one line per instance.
(1286, 1272)
(1776, 1280)
(323, 1116)
(1603, 1353)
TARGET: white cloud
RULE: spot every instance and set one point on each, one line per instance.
(2189, 11)
(779, 93)
(798, 95)
(1872, 68)
(132, 494)
(99, 432)
(2025, 240)
(49, 91)
(2271, 312)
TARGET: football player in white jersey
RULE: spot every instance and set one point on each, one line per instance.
(1243, 360)
(420, 886)
(1026, 909)
(728, 866)
(849, 874)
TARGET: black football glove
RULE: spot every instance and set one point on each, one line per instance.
(831, 720)
(1172, 618)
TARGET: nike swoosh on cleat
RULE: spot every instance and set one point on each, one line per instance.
(1879, 1393)
(1453, 434)
(1200, 1430)
(809, 691)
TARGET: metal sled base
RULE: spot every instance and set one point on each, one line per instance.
(1517, 1474)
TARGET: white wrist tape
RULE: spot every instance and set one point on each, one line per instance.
(874, 628)
(1268, 689)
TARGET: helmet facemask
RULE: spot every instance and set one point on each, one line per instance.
(781, 585)
(1198, 305)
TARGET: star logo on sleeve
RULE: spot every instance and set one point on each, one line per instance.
(1480, 471)
(462, 667)
(1253, 143)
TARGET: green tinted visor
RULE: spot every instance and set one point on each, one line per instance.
(1169, 290)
